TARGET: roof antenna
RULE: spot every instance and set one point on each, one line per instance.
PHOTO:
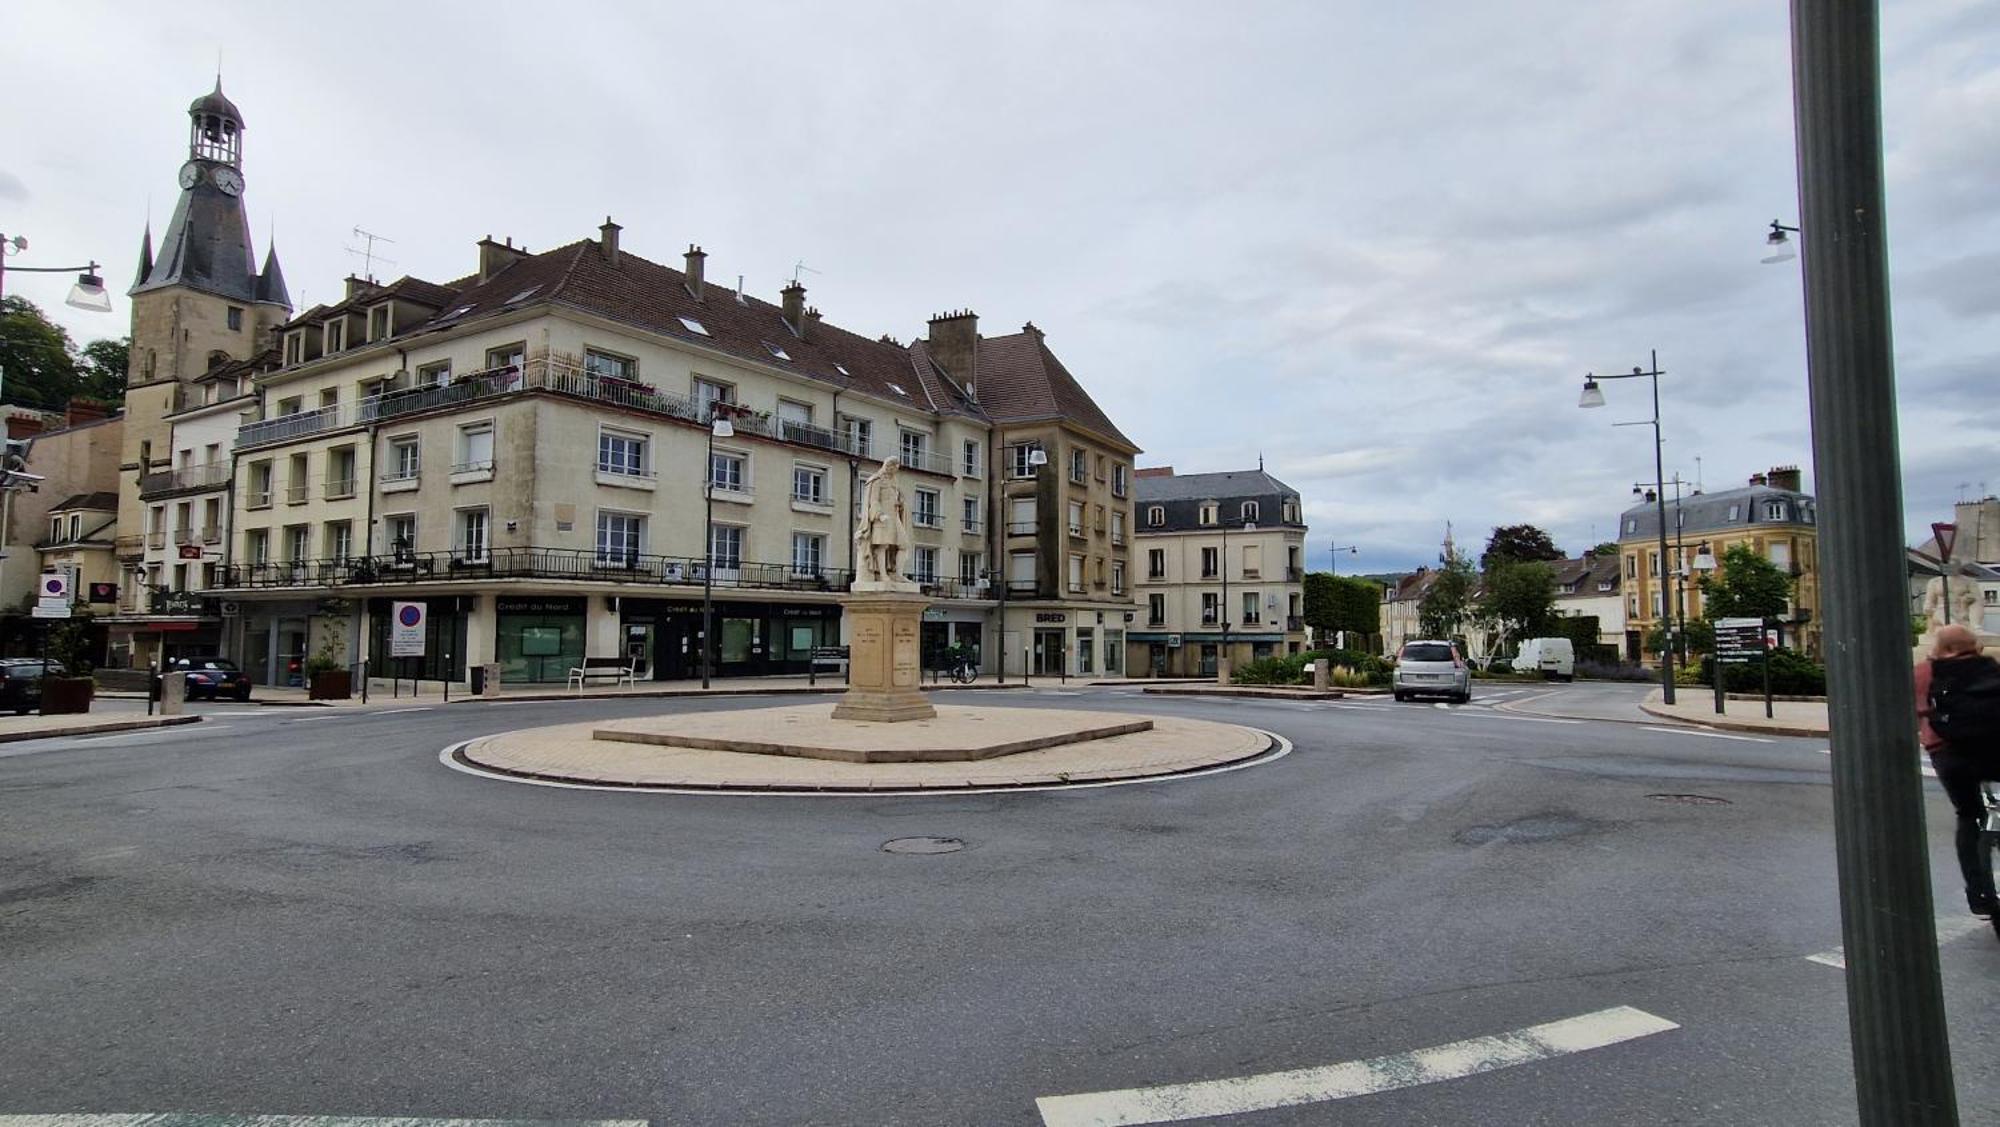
(1260, 461)
(798, 266)
(367, 253)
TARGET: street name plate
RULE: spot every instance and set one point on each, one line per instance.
(1738, 641)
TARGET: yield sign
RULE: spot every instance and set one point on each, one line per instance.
(1947, 535)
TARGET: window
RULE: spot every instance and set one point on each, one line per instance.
(809, 485)
(56, 531)
(1119, 474)
(1117, 577)
(1781, 554)
(405, 459)
(1735, 513)
(1632, 523)
(1156, 610)
(725, 472)
(969, 514)
(378, 323)
(1086, 650)
(340, 472)
(969, 569)
(297, 488)
(1291, 511)
(610, 365)
(1021, 516)
(1118, 526)
(927, 514)
(507, 355)
(472, 535)
(1021, 571)
(1156, 515)
(710, 392)
(1207, 515)
(1211, 608)
(1632, 565)
(1076, 573)
(1076, 518)
(1657, 595)
(778, 353)
(1250, 510)
(475, 447)
(295, 348)
(620, 539)
(291, 406)
(693, 326)
(1079, 466)
(791, 411)
(969, 463)
(434, 375)
(257, 545)
(914, 447)
(1020, 459)
(725, 546)
(1252, 609)
(1253, 561)
(1774, 510)
(622, 452)
(1211, 562)
(860, 434)
(925, 565)
(235, 318)
(339, 539)
(336, 336)
(1156, 563)
(402, 533)
(298, 543)
(808, 553)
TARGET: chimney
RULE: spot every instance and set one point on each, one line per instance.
(795, 308)
(696, 283)
(1758, 479)
(357, 286)
(1153, 471)
(607, 241)
(954, 346)
(494, 257)
(1786, 477)
(83, 411)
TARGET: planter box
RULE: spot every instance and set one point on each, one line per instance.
(66, 695)
(335, 685)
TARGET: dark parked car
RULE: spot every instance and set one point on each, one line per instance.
(21, 682)
(211, 677)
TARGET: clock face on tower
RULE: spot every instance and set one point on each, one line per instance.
(229, 180)
(190, 174)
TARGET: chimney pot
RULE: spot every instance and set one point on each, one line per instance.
(954, 346)
(795, 308)
(495, 257)
(607, 241)
(697, 282)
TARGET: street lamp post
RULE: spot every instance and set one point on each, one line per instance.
(718, 427)
(1333, 556)
(88, 292)
(1593, 396)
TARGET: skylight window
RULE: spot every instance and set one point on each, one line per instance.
(459, 312)
(898, 389)
(777, 352)
(842, 369)
(693, 326)
(523, 295)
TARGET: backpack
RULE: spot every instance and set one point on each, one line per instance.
(1965, 701)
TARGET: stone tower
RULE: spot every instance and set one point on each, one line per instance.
(199, 301)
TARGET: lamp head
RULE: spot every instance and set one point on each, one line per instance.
(1778, 244)
(721, 427)
(1593, 396)
(88, 293)
(1037, 456)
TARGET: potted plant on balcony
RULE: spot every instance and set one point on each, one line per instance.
(69, 644)
(326, 677)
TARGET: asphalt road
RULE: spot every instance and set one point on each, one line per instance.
(288, 911)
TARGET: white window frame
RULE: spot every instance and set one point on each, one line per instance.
(464, 546)
(923, 564)
(467, 432)
(927, 508)
(741, 458)
(807, 474)
(808, 554)
(620, 537)
(406, 458)
(597, 360)
(726, 563)
(969, 462)
(616, 450)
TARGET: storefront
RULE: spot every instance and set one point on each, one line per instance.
(948, 627)
(275, 637)
(752, 639)
(538, 639)
(444, 640)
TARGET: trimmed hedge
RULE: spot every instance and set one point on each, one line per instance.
(1792, 674)
(1291, 668)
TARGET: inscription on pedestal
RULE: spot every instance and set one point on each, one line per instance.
(884, 674)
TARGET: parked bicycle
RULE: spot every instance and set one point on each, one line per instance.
(959, 666)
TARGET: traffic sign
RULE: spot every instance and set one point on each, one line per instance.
(1738, 640)
(1947, 535)
(406, 630)
(54, 585)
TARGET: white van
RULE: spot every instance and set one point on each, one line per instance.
(1555, 658)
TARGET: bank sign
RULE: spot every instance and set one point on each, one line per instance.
(406, 630)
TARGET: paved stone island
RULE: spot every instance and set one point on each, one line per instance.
(816, 731)
(1149, 747)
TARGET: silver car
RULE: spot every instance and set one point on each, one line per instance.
(1427, 667)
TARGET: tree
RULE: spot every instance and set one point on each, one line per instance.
(1444, 609)
(1518, 601)
(1747, 586)
(1342, 603)
(1608, 548)
(101, 366)
(37, 368)
(1699, 639)
(1517, 543)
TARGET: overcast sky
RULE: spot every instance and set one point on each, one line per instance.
(1378, 244)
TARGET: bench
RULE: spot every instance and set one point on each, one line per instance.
(617, 670)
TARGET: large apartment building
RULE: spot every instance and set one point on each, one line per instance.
(1222, 572)
(527, 451)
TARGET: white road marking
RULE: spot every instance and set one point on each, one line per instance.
(1709, 735)
(1924, 769)
(1957, 927)
(1532, 719)
(1178, 1102)
(401, 711)
(178, 1119)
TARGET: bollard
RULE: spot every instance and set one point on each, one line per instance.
(173, 694)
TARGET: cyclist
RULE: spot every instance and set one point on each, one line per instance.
(1963, 756)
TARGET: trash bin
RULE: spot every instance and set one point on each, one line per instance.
(479, 680)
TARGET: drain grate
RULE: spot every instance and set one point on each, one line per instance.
(923, 845)
(1690, 799)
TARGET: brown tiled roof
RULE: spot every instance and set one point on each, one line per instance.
(1586, 572)
(1411, 587)
(1021, 381)
(102, 501)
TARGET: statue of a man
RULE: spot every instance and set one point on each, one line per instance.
(1934, 606)
(882, 535)
(1968, 606)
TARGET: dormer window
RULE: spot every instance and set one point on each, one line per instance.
(1156, 515)
(1207, 515)
(295, 347)
(378, 323)
(1250, 510)
(336, 335)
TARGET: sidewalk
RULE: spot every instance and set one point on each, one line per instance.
(1696, 705)
(14, 728)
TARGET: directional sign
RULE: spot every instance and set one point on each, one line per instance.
(1738, 641)
(406, 630)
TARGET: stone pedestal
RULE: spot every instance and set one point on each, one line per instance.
(885, 643)
(1222, 670)
(1323, 674)
(173, 694)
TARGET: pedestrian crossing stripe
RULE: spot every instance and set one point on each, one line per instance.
(197, 1119)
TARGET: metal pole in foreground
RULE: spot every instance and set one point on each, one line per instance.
(1895, 1004)
(1660, 580)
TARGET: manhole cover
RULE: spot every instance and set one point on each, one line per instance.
(923, 845)
(1690, 799)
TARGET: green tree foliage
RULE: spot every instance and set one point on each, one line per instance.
(1700, 638)
(100, 368)
(1517, 543)
(1447, 606)
(1746, 586)
(1608, 548)
(1342, 602)
(1519, 600)
(41, 367)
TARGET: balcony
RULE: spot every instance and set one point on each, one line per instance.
(211, 534)
(923, 519)
(186, 479)
(1294, 624)
(297, 493)
(929, 461)
(156, 538)
(969, 527)
(1295, 575)
(129, 547)
(339, 488)
(1021, 527)
(257, 499)
(186, 536)
(527, 563)
(1023, 587)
